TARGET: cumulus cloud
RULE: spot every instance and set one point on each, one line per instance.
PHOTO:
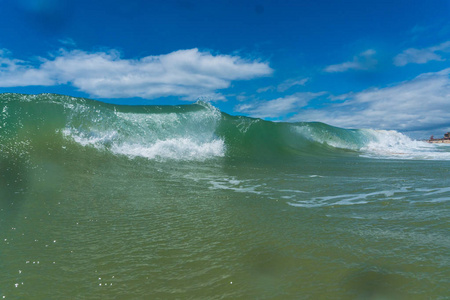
(363, 61)
(16, 72)
(418, 104)
(277, 108)
(421, 56)
(186, 73)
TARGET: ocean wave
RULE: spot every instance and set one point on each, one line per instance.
(193, 132)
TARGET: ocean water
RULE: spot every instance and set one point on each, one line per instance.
(100, 201)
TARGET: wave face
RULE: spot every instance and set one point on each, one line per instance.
(189, 132)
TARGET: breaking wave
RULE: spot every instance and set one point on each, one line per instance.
(187, 132)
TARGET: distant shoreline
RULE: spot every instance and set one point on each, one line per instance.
(439, 141)
(444, 140)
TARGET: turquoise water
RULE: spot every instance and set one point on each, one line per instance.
(100, 201)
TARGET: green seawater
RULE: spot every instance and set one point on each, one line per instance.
(99, 201)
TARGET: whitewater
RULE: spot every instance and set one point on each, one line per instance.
(165, 202)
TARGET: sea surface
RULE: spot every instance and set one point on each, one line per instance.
(100, 201)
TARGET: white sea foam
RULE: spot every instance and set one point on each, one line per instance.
(240, 186)
(171, 148)
(406, 193)
(93, 138)
(384, 144)
(395, 145)
(442, 193)
(176, 148)
(345, 199)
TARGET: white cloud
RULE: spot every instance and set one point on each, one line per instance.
(277, 108)
(265, 89)
(16, 72)
(186, 73)
(68, 42)
(421, 56)
(284, 86)
(290, 83)
(418, 104)
(363, 61)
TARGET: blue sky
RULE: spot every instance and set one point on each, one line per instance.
(352, 64)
